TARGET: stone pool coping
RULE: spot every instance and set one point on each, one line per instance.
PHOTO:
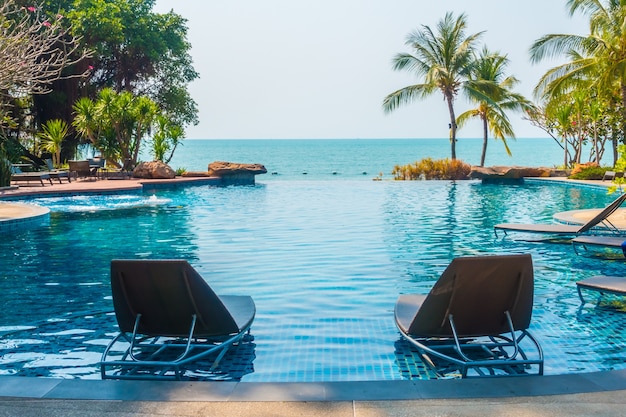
(231, 391)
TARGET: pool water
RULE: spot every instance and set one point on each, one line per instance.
(324, 262)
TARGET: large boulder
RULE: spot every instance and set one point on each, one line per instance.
(235, 173)
(154, 170)
(507, 173)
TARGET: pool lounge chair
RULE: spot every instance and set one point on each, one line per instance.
(475, 319)
(56, 173)
(603, 284)
(612, 242)
(168, 318)
(18, 176)
(599, 223)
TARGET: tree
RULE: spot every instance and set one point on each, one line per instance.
(139, 51)
(442, 59)
(490, 88)
(52, 136)
(166, 138)
(596, 61)
(116, 124)
(34, 50)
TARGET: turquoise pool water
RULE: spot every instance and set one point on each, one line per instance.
(324, 262)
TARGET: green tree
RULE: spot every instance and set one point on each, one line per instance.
(442, 58)
(167, 137)
(596, 61)
(52, 136)
(139, 51)
(116, 124)
(491, 89)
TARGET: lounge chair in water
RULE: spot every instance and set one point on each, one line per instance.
(609, 242)
(168, 318)
(603, 284)
(475, 319)
(599, 223)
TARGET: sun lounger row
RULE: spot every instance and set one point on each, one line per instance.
(474, 321)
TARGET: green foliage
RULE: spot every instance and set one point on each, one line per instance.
(592, 172)
(52, 136)
(138, 50)
(5, 168)
(166, 138)
(429, 169)
(116, 124)
(180, 171)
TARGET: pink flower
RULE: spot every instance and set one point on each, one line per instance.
(47, 24)
(59, 16)
(90, 68)
(31, 8)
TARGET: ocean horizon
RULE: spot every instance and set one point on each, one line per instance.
(332, 159)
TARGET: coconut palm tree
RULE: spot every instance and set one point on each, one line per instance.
(442, 58)
(490, 88)
(52, 136)
(597, 60)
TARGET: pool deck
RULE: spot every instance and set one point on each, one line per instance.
(592, 394)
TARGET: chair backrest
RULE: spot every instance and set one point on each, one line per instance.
(80, 167)
(49, 164)
(477, 291)
(166, 293)
(600, 217)
(16, 170)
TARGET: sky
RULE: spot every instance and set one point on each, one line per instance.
(304, 69)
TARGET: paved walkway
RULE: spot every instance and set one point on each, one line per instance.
(598, 395)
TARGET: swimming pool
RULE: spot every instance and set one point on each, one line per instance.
(324, 262)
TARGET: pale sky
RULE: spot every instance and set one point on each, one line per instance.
(320, 69)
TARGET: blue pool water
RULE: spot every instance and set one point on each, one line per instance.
(323, 260)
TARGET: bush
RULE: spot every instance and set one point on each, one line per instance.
(429, 169)
(588, 171)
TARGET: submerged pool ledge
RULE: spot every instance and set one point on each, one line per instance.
(221, 391)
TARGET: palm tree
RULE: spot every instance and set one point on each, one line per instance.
(598, 59)
(490, 88)
(442, 58)
(54, 132)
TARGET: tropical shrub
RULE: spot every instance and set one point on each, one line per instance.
(588, 171)
(52, 136)
(429, 169)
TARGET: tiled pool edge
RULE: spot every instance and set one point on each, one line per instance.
(224, 391)
(29, 216)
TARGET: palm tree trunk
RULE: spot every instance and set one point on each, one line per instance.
(485, 136)
(449, 100)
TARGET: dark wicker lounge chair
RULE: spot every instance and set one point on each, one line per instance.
(169, 317)
(474, 321)
(599, 223)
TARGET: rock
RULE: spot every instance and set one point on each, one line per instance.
(235, 173)
(154, 170)
(508, 173)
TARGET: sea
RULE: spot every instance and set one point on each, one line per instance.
(335, 159)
